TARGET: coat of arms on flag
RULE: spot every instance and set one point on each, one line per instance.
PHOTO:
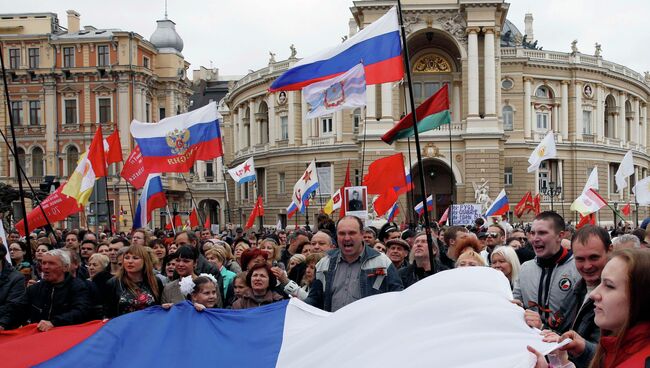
(177, 140)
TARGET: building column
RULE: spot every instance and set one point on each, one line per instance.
(578, 111)
(456, 113)
(338, 122)
(387, 101)
(272, 121)
(305, 124)
(489, 77)
(292, 116)
(564, 111)
(234, 119)
(123, 114)
(527, 108)
(473, 72)
(371, 102)
(635, 131)
(644, 120)
(621, 117)
(49, 119)
(600, 114)
(218, 173)
(200, 170)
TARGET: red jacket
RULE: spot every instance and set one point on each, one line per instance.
(634, 349)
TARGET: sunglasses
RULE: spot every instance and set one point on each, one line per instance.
(493, 235)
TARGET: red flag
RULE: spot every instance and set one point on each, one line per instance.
(385, 174)
(133, 170)
(536, 204)
(590, 219)
(194, 218)
(346, 184)
(207, 224)
(257, 211)
(114, 152)
(96, 154)
(525, 205)
(57, 207)
(385, 202)
(626, 210)
(178, 222)
(444, 217)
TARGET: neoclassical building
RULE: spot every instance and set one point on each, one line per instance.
(505, 93)
(65, 82)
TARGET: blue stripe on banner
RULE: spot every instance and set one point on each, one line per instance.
(181, 337)
(199, 133)
(246, 179)
(496, 206)
(155, 186)
(371, 51)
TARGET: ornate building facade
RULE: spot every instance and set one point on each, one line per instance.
(505, 95)
(64, 83)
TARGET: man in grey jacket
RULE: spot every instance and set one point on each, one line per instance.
(546, 281)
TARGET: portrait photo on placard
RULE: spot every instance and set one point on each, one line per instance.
(356, 199)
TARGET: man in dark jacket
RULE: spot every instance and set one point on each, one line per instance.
(421, 266)
(12, 289)
(59, 299)
(352, 271)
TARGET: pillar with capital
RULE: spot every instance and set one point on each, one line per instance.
(564, 110)
(489, 72)
(578, 111)
(472, 71)
(527, 108)
(620, 126)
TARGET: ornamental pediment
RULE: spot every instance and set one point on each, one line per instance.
(69, 91)
(103, 89)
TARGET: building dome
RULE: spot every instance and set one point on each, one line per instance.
(510, 34)
(165, 37)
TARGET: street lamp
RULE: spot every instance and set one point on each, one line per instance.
(551, 191)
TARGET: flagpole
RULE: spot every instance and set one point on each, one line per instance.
(15, 148)
(129, 194)
(450, 215)
(320, 197)
(363, 150)
(110, 210)
(225, 184)
(171, 219)
(408, 141)
(201, 219)
(407, 63)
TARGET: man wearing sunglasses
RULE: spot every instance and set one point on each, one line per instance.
(495, 238)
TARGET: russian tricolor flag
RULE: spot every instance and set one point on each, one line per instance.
(394, 211)
(152, 197)
(291, 334)
(175, 143)
(419, 208)
(377, 46)
(500, 206)
(291, 210)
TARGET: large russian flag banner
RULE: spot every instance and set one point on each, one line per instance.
(378, 47)
(175, 143)
(431, 317)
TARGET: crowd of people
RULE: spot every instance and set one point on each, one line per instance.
(589, 285)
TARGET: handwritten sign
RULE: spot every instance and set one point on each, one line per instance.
(465, 214)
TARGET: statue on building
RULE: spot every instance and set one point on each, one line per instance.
(574, 47)
(598, 50)
(481, 195)
(293, 52)
(647, 77)
(272, 58)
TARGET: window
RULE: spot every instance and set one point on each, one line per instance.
(70, 111)
(586, 122)
(356, 119)
(282, 183)
(324, 172)
(209, 171)
(32, 53)
(34, 112)
(102, 56)
(161, 113)
(542, 121)
(17, 111)
(104, 110)
(508, 117)
(68, 57)
(145, 62)
(507, 176)
(72, 156)
(543, 92)
(260, 174)
(611, 183)
(37, 162)
(326, 126)
(245, 190)
(147, 112)
(543, 178)
(14, 58)
(507, 83)
(284, 127)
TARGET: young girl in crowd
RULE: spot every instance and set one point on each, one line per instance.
(201, 291)
(134, 287)
(239, 285)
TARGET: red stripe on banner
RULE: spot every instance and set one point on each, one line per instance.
(26, 346)
(182, 163)
(389, 70)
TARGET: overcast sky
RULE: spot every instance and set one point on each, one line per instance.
(237, 35)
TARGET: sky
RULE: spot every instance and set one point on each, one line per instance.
(237, 35)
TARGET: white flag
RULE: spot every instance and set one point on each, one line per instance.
(347, 90)
(278, 226)
(642, 191)
(544, 151)
(244, 172)
(303, 188)
(592, 181)
(624, 171)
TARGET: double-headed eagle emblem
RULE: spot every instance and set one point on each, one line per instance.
(178, 140)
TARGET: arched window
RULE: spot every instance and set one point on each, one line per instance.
(262, 117)
(71, 157)
(37, 162)
(543, 92)
(508, 117)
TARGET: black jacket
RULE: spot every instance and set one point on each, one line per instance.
(112, 293)
(67, 303)
(12, 289)
(412, 274)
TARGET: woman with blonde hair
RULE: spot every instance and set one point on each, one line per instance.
(469, 258)
(271, 248)
(135, 286)
(241, 245)
(505, 259)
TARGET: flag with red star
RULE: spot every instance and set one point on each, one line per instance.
(305, 186)
(244, 172)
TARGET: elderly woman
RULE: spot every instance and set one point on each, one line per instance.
(260, 281)
(135, 286)
(470, 258)
(97, 263)
(217, 257)
(505, 260)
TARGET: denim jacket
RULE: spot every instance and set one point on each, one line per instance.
(378, 276)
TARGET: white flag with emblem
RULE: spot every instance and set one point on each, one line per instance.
(347, 90)
(544, 151)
